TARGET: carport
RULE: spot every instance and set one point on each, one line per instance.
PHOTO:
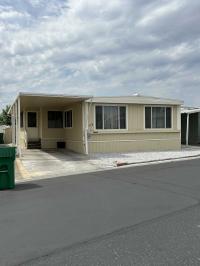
(46, 121)
(190, 126)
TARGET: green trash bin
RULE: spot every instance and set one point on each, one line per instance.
(1, 138)
(7, 167)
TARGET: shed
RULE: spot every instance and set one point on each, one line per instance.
(190, 125)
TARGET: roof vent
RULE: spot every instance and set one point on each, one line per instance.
(136, 94)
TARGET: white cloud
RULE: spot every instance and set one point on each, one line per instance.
(160, 11)
(100, 47)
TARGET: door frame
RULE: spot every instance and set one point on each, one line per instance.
(37, 122)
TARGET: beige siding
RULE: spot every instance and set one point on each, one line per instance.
(50, 136)
(74, 136)
(136, 137)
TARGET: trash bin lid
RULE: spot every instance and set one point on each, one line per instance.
(7, 151)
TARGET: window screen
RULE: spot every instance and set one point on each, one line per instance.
(158, 117)
(55, 119)
(110, 117)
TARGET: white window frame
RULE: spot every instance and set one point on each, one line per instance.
(164, 128)
(111, 130)
(65, 116)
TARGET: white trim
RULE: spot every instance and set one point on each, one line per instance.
(67, 110)
(76, 141)
(53, 139)
(178, 118)
(187, 129)
(87, 97)
(110, 130)
(159, 131)
(86, 127)
(16, 121)
(130, 140)
(19, 128)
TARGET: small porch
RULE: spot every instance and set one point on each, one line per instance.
(49, 122)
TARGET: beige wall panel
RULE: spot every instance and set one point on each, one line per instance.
(134, 142)
(74, 136)
(75, 146)
(134, 146)
(54, 133)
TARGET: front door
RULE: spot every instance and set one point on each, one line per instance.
(32, 126)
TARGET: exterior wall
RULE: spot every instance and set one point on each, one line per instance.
(50, 136)
(136, 137)
(74, 136)
(194, 128)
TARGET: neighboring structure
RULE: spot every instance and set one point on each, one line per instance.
(3, 127)
(87, 124)
(190, 126)
(6, 130)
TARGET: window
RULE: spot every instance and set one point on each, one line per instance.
(55, 119)
(32, 119)
(158, 117)
(21, 119)
(68, 119)
(110, 117)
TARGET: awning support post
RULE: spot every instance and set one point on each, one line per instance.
(187, 129)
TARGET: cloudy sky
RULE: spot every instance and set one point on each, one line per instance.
(100, 47)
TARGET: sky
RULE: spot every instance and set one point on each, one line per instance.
(100, 47)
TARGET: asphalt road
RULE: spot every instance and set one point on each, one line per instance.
(147, 215)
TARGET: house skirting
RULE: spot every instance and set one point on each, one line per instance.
(134, 142)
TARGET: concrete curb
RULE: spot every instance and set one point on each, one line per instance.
(119, 164)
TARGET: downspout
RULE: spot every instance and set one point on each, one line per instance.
(19, 126)
(85, 127)
(16, 122)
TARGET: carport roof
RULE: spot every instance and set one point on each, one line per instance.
(53, 100)
(190, 110)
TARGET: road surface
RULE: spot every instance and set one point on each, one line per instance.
(147, 215)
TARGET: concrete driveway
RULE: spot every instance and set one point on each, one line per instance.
(38, 164)
(97, 218)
